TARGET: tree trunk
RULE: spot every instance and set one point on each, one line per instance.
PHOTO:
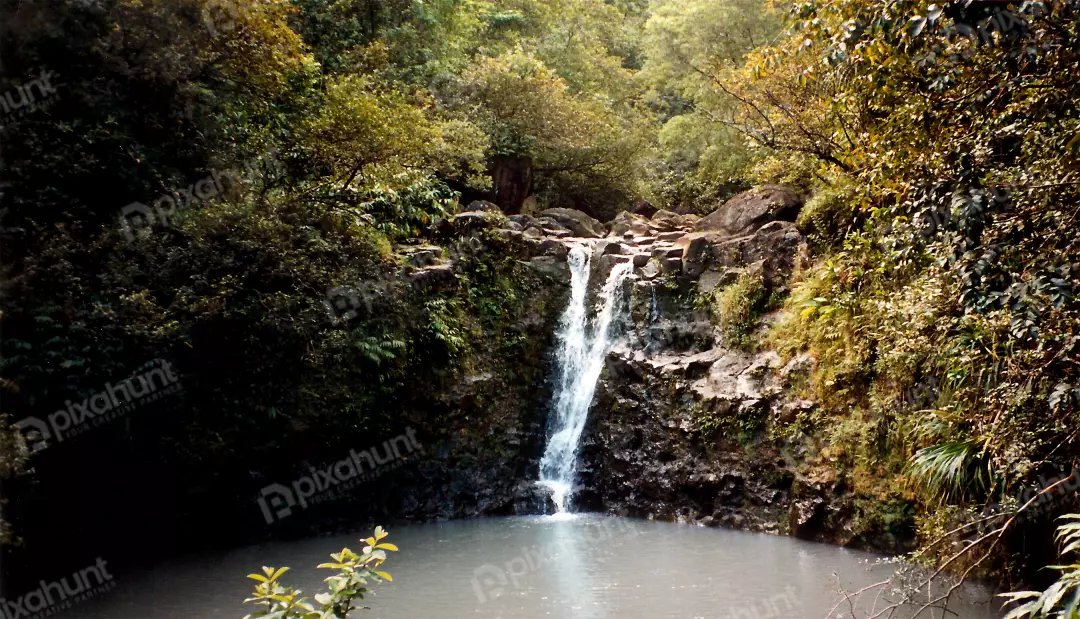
(512, 176)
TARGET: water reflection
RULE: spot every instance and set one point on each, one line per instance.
(588, 567)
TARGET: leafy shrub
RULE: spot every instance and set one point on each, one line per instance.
(1060, 600)
(343, 588)
(951, 470)
(829, 214)
(402, 213)
(736, 308)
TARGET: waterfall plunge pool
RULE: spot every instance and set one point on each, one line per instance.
(535, 567)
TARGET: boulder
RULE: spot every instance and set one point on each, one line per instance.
(551, 247)
(667, 221)
(626, 222)
(579, 223)
(778, 246)
(750, 210)
(480, 206)
(472, 220)
(423, 256)
(672, 265)
(667, 252)
(551, 267)
(643, 208)
(650, 270)
(604, 248)
(432, 275)
(695, 255)
(524, 220)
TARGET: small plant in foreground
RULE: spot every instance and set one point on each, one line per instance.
(344, 588)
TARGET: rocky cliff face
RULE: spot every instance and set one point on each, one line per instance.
(684, 426)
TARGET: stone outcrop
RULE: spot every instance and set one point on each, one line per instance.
(680, 425)
(577, 222)
(752, 209)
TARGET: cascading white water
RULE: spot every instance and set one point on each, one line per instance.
(580, 360)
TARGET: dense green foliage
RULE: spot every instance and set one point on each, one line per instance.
(209, 172)
(943, 142)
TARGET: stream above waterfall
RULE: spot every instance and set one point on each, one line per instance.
(584, 567)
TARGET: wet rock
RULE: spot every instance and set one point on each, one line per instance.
(621, 363)
(609, 261)
(551, 247)
(750, 210)
(524, 220)
(551, 267)
(432, 275)
(650, 270)
(605, 248)
(424, 256)
(671, 265)
(668, 252)
(641, 260)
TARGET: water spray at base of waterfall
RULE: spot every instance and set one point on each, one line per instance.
(580, 360)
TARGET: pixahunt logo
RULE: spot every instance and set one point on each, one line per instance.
(491, 581)
(138, 219)
(27, 100)
(110, 403)
(277, 501)
(56, 596)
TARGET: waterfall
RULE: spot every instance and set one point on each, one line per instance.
(580, 359)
